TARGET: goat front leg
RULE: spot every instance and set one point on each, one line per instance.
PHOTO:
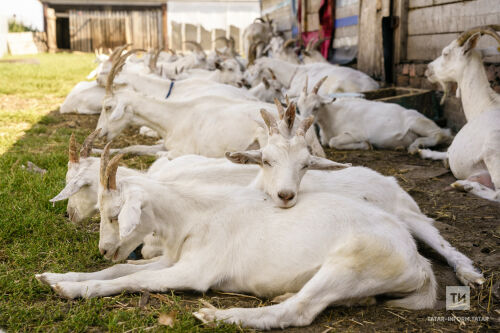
(429, 134)
(180, 277)
(112, 272)
(347, 141)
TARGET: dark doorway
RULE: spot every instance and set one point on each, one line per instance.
(62, 32)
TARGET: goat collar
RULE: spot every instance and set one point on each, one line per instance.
(170, 89)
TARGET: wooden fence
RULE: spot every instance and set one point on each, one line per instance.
(90, 30)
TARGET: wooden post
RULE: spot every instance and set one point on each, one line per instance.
(51, 30)
(401, 33)
(164, 25)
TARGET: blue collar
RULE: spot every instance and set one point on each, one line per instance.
(170, 89)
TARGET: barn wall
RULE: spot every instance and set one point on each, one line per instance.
(280, 11)
(203, 22)
(93, 29)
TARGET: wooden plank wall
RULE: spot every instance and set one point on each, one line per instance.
(346, 25)
(280, 11)
(93, 29)
(433, 24)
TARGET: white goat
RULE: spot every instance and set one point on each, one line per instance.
(311, 54)
(355, 123)
(292, 77)
(474, 155)
(257, 32)
(208, 126)
(354, 250)
(85, 98)
(269, 89)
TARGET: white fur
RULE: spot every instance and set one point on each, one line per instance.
(354, 250)
(475, 151)
(292, 77)
(354, 123)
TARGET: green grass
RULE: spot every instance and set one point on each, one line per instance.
(35, 236)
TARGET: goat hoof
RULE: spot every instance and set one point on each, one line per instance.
(205, 315)
(461, 187)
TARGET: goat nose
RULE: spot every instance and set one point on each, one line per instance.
(286, 195)
(103, 252)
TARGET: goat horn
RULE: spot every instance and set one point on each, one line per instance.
(154, 60)
(290, 115)
(309, 44)
(195, 44)
(110, 175)
(117, 67)
(289, 42)
(266, 83)
(272, 73)
(223, 38)
(287, 100)
(279, 107)
(87, 144)
(318, 43)
(318, 85)
(484, 30)
(305, 86)
(270, 121)
(117, 52)
(252, 54)
(304, 126)
(73, 153)
(104, 163)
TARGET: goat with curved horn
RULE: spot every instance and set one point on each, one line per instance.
(87, 144)
(484, 30)
(196, 45)
(318, 85)
(117, 67)
(110, 173)
(290, 42)
(318, 43)
(73, 152)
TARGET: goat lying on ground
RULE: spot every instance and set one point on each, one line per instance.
(232, 239)
(355, 123)
(208, 126)
(277, 176)
(292, 77)
(474, 155)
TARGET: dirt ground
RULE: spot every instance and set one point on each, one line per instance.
(469, 223)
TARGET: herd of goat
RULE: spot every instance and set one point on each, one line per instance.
(241, 197)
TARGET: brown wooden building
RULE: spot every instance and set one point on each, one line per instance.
(85, 25)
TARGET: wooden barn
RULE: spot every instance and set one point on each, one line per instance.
(391, 40)
(85, 25)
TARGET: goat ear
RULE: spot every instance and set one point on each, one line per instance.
(117, 113)
(72, 187)
(320, 163)
(245, 157)
(129, 217)
(471, 43)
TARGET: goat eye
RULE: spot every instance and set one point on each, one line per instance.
(266, 163)
(114, 219)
